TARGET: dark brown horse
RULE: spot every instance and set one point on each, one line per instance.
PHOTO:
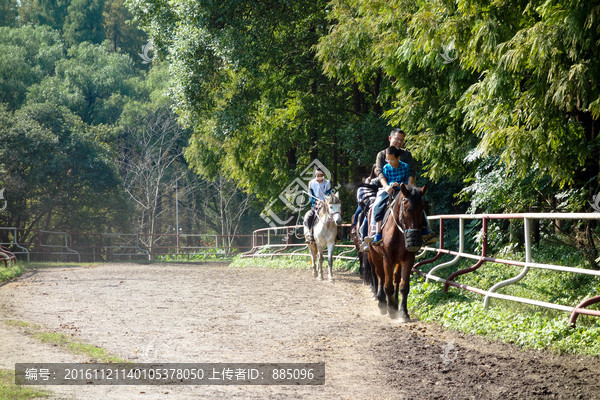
(364, 269)
(394, 258)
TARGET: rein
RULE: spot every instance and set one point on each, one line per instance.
(412, 237)
(401, 225)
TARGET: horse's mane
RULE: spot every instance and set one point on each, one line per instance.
(415, 193)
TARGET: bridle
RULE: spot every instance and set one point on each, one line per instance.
(412, 237)
(330, 211)
(400, 225)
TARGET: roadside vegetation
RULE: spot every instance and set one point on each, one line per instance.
(523, 325)
(12, 391)
(68, 343)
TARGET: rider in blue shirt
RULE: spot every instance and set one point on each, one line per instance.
(395, 172)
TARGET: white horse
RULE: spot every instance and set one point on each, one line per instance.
(325, 233)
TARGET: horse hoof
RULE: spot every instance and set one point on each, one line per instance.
(374, 298)
(403, 320)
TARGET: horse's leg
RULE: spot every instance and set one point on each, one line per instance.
(392, 304)
(379, 280)
(313, 257)
(404, 288)
(397, 278)
(330, 261)
(320, 268)
(370, 278)
(361, 267)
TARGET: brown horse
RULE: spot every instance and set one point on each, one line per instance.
(394, 258)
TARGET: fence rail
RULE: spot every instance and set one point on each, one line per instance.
(285, 241)
(526, 265)
(75, 246)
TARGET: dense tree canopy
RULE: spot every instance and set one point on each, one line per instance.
(246, 79)
(55, 170)
(500, 100)
(80, 119)
(467, 80)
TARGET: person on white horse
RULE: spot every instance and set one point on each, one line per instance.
(318, 188)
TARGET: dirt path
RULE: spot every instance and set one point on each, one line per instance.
(215, 313)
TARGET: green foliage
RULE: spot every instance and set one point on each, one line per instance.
(123, 36)
(8, 12)
(10, 390)
(246, 80)
(202, 255)
(93, 82)
(51, 13)
(30, 53)
(11, 272)
(55, 169)
(83, 22)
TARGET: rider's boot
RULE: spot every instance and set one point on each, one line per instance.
(308, 235)
(375, 239)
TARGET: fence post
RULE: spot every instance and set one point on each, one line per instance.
(528, 259)
(461, 247)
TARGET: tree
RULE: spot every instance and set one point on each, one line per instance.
(43, 12)
(57, 174)
(151, 149)
(246, 79)
(8, 13)
(30, 53)
(122, 34)
(92, 81)
(84, 22)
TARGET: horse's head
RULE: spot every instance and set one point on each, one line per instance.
(409, 211)
(332, 209)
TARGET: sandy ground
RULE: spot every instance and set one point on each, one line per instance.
(211, 313)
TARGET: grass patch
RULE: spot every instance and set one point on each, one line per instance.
(23, 266)
(11, 272)
(285, 262)
(69, 343)
(9, 390)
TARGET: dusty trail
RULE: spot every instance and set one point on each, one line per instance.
(213, 313)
